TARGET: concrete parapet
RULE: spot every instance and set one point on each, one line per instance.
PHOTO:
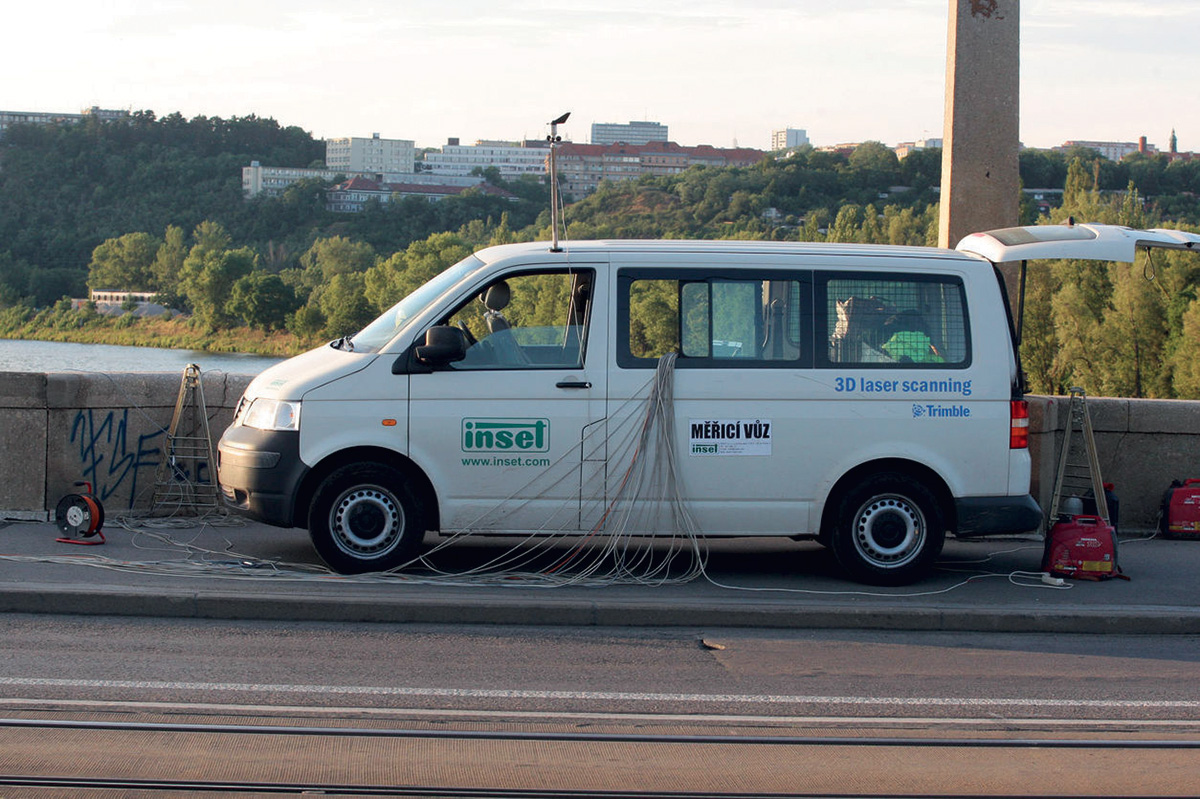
(1142, 445)
(22, 390)
(106, 429)
(110, 430)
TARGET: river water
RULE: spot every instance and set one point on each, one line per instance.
(55, 356)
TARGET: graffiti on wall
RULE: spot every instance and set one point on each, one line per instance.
(111, 458)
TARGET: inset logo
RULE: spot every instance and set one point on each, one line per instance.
(918, 411)
(505, 435)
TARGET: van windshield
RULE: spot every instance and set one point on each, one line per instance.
(374, 336)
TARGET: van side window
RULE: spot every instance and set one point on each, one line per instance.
(653, 317)
(891, 320)
(527, 321)
(713, 322)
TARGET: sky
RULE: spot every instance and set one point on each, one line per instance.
(719, 72)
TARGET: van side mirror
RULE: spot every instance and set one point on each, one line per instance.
(443, 345)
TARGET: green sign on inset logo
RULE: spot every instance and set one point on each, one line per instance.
(506, 435)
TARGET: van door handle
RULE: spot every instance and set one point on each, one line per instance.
(572, 384)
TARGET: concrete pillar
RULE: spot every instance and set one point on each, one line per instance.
(980, 179)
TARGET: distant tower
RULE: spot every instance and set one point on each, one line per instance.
(1174, 142)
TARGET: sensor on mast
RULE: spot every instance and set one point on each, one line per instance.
(554, 139)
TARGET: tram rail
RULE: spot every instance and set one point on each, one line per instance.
(723, 750)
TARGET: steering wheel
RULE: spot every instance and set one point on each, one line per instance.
(462, 325)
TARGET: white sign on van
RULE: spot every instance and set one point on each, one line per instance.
(729, 436)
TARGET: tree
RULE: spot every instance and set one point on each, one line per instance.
(46, 286)
(345, 305)
(338, 255)
(307, 322)
(1131, 336)
(845, 227)
(1042, 169)
(382, 282)
(262, 300)
(1186, 366)
(922, 168)
(124, 263)
(168, 263)
(211, 236)
(393, 279)
(1039, 337)
(208, 279)
(874, 156)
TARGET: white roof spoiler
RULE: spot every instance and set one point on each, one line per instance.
(1087, 242)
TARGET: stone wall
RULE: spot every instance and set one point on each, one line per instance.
(1142, 445)
(110, 430)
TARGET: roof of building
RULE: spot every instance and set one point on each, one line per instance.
(664, 147)
(418, 189)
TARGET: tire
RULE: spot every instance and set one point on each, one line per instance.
(365, 517)
(890, 528)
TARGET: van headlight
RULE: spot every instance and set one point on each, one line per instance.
(272, 414)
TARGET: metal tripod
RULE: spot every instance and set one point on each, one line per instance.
(1078, 466)
(185, 482)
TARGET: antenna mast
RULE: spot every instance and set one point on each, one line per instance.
(554, 139)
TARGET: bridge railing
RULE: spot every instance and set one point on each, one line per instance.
(110, 430)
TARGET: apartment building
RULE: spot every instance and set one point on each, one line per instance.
(788, 138)
(582, 167)
(8, 118)
(273, 180)
(629, 133)
(904, 148)
(353, 154)
(1112, 150)
(513, 159)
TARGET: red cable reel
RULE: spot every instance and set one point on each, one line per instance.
(79, 517)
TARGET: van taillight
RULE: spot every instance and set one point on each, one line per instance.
(1018, 437)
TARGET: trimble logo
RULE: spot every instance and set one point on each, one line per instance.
(506, 435)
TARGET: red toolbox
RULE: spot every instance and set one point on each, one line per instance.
(1083, 548)
(1181, 510)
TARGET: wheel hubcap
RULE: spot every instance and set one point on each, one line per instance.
(889, 530)
(366, 521)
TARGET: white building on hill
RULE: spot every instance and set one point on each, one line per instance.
(353, 154)
(513, 159)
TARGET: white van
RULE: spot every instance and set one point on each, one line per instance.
(867, 396)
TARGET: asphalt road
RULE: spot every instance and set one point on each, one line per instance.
(862, 712)
(721, 672)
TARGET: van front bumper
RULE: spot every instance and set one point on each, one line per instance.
(997, 515)
(259, 472)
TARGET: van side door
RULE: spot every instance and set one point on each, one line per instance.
(502, 432)
(743, 335)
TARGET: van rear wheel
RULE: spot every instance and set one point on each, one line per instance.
(365, 517)
(890, 529)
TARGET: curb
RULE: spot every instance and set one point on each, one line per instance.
(509, 610)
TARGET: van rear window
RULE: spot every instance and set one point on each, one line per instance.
(887, 320)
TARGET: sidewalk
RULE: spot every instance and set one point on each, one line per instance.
(252, 571)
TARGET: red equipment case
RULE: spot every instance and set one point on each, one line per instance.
(1181, 510)
(1083, 548)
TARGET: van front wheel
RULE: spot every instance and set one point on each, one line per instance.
(364, 517)
(890, 528)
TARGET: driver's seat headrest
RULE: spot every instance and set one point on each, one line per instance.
(497, 296)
